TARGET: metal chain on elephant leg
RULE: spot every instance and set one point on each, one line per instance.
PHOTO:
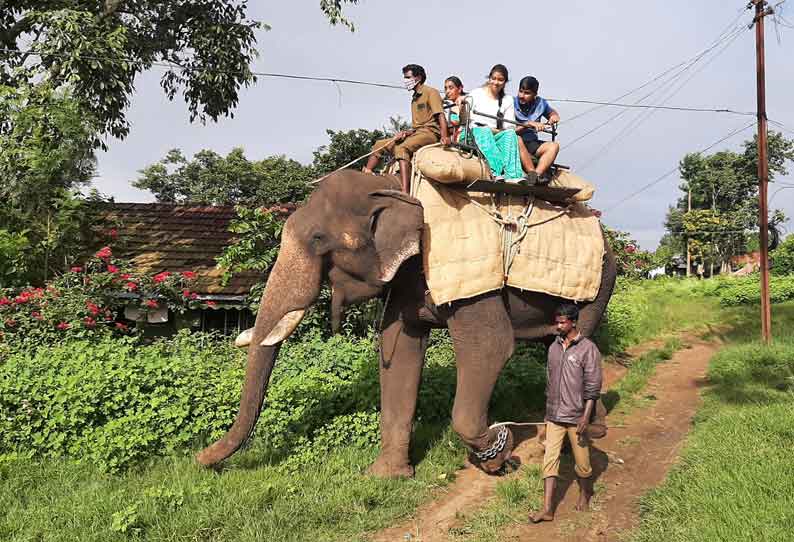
(495, 448)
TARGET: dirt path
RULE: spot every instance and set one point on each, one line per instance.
(628, 462)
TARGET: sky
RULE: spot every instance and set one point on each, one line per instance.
(578, 49)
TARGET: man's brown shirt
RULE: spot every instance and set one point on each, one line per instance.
(425, 105)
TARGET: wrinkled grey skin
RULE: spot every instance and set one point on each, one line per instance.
(361, 235)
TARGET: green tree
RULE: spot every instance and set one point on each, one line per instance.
(214, 179)
(344, 148)
(783, 257)
(724, 207)
(46, 156)
(97, 48)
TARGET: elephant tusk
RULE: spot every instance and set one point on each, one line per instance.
(284, 328)
(244, 338)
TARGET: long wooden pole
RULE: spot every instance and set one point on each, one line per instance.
(688, 251)
(763, 170)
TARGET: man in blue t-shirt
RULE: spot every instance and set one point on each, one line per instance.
(531, 109)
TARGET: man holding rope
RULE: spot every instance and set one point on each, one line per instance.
(428, 126)
(573, 386)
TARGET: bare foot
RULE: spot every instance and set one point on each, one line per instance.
(543, 515)
(583, 504)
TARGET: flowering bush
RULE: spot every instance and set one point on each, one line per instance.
(631, 261)
(85, 300)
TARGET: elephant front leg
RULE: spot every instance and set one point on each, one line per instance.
(483, 339)
(402, 352)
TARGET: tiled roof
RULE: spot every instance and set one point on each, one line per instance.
(159, 237)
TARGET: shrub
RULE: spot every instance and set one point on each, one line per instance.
(113, 402)
(83, 303)
(744, 290)
(782, 257)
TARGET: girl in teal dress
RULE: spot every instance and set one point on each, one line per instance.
(497, 140)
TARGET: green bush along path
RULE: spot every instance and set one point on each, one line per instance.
(97, 434)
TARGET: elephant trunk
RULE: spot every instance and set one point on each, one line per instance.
(293, 285)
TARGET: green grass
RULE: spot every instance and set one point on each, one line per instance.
(173, 499)
(735, 480)
(640, 311)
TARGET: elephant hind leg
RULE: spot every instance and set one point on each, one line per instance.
(483, 339)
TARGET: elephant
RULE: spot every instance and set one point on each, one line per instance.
(362, 235)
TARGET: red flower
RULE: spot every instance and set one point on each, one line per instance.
(188, 275)
(186, 293)
(37, 315)
(211, 304)
(112, 233)
(193, 295)
(104, 253)
(76, 269)
(24, 297)
(89, 322)
(631, 249)
(63, 326)
(121, 327)
(160, 277)
(92, 308)
(125, 276)
(5, 301)
(112, 268)
(131, 286)
(10, 322)
(151, 303)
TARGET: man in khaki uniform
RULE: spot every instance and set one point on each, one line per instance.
(428, 125)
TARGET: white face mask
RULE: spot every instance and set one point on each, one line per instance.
(410, 84)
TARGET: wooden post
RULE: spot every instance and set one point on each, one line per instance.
(763, 169)
(689, 252)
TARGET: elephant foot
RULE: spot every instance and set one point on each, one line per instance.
(385, 467)
(492, 459)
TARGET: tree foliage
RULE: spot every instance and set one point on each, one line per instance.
(724, 188)
(98, 48)
(343, 148)
(46, 157)
(231, 180)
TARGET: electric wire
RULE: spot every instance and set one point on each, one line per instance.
(732, 34)
(667, 174)
(729, 28)
(646, 115)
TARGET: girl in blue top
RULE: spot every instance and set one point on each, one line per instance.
(530, 109)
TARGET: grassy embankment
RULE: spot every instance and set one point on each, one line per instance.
(257, 497)
(735, 480)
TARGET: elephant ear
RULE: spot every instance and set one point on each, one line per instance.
(395, 221)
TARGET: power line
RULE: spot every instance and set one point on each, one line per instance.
(731, 27)
(781, 125)
(665, 175)
(645, 115)
(659, 106)
(170, 65)
(688, 64)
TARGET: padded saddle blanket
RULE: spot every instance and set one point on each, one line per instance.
(464, 248)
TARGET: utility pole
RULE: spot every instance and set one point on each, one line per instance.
(762, 11)
(689, 252)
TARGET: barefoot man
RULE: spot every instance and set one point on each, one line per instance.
(572, 388)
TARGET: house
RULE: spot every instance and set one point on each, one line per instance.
(157, 237)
